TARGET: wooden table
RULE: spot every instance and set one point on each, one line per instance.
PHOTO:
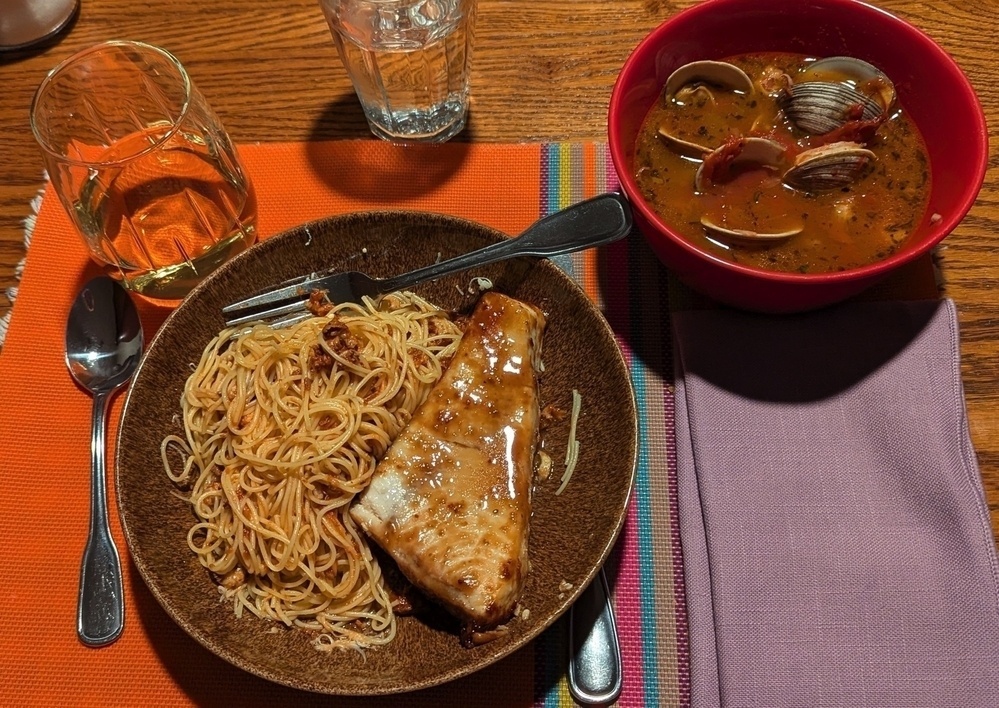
(542, 71)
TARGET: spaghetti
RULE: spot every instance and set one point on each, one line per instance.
(282, 428)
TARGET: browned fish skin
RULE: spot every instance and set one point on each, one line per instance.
(450, 502)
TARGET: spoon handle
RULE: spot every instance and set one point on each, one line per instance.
(100, 609)
(595, 667)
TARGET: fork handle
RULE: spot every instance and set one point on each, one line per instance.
(592, 222)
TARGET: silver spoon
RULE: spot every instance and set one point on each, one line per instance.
(595, 667)
(103, 346)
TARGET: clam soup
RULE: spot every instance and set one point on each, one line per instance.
(784, 163)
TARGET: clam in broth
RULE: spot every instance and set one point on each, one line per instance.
(826, 202)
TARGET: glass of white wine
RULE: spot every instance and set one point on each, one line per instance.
(143, 166)
(409, 62)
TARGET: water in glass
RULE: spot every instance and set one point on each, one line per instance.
(408, 61)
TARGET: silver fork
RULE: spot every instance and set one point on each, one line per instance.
(589, 223)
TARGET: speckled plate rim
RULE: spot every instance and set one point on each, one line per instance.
(137, 556)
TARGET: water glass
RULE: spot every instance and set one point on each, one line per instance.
(143, 167)
(409, 63)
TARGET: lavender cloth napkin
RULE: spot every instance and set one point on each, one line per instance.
(836, 541)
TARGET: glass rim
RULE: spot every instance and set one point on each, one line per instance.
(76, 57)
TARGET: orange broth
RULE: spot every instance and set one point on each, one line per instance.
(841, 229)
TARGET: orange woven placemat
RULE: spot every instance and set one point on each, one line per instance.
(45, 432)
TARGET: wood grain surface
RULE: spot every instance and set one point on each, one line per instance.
(542, 71)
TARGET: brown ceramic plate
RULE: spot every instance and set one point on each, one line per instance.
(571, 535)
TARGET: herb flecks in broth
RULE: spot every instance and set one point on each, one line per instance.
(810, 202)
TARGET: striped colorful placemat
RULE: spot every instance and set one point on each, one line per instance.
(646, 571)
(155, 663)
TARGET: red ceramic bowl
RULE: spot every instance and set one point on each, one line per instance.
(931, 88)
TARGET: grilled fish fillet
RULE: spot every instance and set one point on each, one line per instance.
(450, 501)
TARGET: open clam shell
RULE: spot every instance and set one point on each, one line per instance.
(746, 236)
(829, 91)
(865, 77)
(719, 74)
(681, 146)
(701, 85)
(744, 152)
(828, 167)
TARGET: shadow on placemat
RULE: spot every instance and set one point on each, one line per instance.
(640, 293)
(342, 118)
(414, 170)
(637, 293)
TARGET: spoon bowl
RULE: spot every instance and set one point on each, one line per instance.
(103, 346)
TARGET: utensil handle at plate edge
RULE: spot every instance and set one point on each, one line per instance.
(100, 606)
(586, 224)
(595, 666)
